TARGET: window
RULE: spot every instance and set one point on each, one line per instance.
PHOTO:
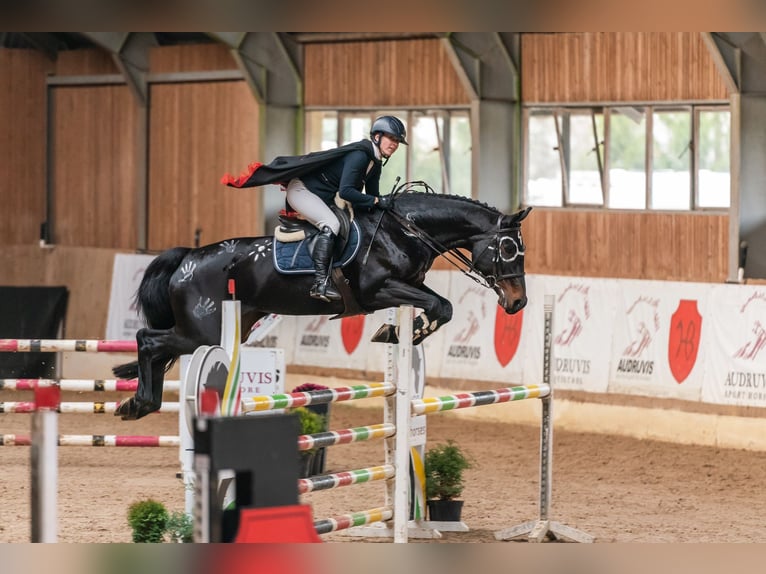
(713, 154)
(544, 181)
(671, 160)
(439, 150)
(628, 157)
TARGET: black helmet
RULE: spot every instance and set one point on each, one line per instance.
(391, 126)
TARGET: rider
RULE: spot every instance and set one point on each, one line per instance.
(312, 180)
(312, 193)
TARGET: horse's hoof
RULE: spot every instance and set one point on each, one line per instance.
(386, 334)
(133, 409)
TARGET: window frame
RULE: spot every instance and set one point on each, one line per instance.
(556, 111)
(408, 114)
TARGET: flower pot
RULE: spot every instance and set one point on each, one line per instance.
(318, 465)
(307, 462)
(444, 510)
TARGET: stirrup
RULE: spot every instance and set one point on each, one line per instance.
(324, 291)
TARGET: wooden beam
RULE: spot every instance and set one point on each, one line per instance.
(720, 63)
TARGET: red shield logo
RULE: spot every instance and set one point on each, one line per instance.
(351, 332)
(684, 340)
(507, 334)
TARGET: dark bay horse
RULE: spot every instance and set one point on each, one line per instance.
(181, 292)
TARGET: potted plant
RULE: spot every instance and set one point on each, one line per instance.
(310, 423)
(321, 409)
(444, 466)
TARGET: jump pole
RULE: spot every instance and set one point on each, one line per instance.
(542, 528)
(44, 465)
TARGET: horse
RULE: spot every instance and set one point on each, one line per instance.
(182, 289)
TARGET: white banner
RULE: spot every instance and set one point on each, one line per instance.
(122, 321)
(657, 330)
(736, 365)
(482, 340)
(690, 341)
(262, 371)
(582, 332)
(281, 336)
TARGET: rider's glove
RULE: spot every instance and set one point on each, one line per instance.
(385, 202)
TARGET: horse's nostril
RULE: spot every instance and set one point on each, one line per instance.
(519, 304)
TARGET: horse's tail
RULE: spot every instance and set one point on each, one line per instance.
(153, 298)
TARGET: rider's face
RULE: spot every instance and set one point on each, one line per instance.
(388, 145)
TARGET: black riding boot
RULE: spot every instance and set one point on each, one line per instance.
(323, 287)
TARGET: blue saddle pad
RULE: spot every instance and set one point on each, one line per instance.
(294, 257)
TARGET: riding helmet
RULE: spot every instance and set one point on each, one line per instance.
(391, 126)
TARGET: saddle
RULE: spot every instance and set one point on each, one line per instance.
(294, 240)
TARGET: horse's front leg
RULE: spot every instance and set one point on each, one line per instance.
(436, 311)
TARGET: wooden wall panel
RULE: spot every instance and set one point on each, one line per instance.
(86, 272)
(22, 145)
(94, 167)
(85, 62)
(396, 73)
(661, 246)
(190, 58)
(199, 132)
(618, 66)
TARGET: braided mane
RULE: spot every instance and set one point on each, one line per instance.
(410, 188)
(472, 201)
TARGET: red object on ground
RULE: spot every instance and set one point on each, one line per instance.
(277, 524)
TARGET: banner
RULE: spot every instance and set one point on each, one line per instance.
(123, 321)
(736, 361)
(657, 330)
(689, 341)
(583, 316)
(482, 340)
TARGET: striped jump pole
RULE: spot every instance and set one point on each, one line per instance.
(336, 480)
(81, 385)
(95, 440)
(345, 436)
(323, 396)
(479, 398)
(326, 525)
(67, 345)
(96, 408)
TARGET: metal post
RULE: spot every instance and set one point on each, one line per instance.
(44, 464)
(403, 407)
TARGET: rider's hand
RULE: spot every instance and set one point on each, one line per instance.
(384, 202)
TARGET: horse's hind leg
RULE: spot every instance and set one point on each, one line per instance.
(156, 349)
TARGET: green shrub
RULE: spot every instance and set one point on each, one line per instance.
(444, 466)
(310, 422)
(147, 518)
(179, 527)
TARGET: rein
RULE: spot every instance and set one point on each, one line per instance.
(454, 256)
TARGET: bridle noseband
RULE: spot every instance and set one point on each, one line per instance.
(498, 235)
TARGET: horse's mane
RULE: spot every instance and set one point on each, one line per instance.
(411, 190)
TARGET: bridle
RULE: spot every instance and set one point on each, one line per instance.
(455, 257)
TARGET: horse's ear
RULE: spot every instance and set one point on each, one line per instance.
(519, 216)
